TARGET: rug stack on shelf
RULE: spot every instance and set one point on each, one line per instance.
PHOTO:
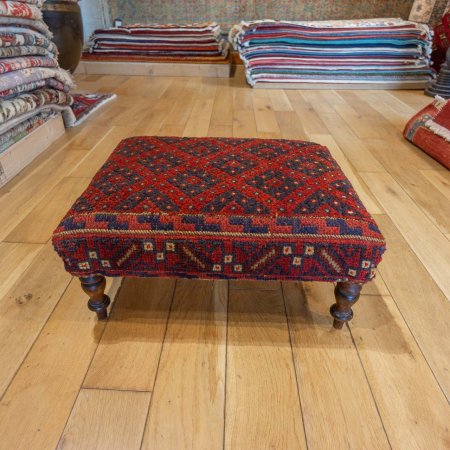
(197, 43)
(385, 53)
(33, 88)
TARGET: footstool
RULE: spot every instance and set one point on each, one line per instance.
(221, 209)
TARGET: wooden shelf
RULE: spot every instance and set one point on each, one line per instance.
(154, 69)
(20, 154)
(342, 86)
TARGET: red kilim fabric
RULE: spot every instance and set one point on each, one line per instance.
(429, 129)
(220, 208)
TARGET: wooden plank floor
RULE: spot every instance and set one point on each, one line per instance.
(239, 365)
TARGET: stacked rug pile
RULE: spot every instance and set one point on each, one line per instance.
(389, 52)
(32, 86)
(441, 42)
(429, 130)
(159, 43)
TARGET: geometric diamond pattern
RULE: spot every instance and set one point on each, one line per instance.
(193, 182)
(220, 208)
(233, 164)
(275, 184)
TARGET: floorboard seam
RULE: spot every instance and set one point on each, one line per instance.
(34, 341)
(159, 362)
(226, 371)
(89, 365)
(417, 343)
(293, 363)
(369, 385)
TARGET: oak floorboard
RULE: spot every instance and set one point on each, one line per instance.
(324, 358)
(262, 404)
(88, 166)
(397, 154)
(37, 403)
(422, 304)
(180, 112)
(403, 167)
(420, 233)
(266, 122)
(220, 131)
(408, 101)
(187, 407)
(198, 123)
(352, 146)
(411, 404)
(279, 100)
(268, 135)
(242, 99)
(244, 124)
(401, 322)
(170, 130)
(261, 100)
(15, 259)
(255, 285)
(290, 125)
(20, 198)
(106, 420)
(363, 126)
(128, 353)
(323, 104)
(310, 118)
(39, 224)
(88, 134)
(222, 113)
(440, 180)
(427, 196)
(25, 308)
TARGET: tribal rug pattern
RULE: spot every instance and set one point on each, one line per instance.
(220, 208)
(429, 130)
(231, 12)
(86, 104)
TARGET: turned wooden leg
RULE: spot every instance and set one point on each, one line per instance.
(94, 286)
(347, 294)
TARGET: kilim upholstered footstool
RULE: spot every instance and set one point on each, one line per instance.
(221, 209)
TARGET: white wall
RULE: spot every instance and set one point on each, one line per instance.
(95, 15)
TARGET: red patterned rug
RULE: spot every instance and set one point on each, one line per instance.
(86, 104)
(429, 130)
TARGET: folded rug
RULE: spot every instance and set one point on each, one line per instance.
(33, 24)
(25, 103)
(25, 50)
(377, 51)
(12, 64)
(22, 76)
(11, 36)
(24, 128)
(170, 41)
(429, 130)
(19, 9)
(53, 83)
(86, 104)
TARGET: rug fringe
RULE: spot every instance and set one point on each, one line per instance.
(438, 129)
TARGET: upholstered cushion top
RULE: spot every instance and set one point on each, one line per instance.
(220, 208)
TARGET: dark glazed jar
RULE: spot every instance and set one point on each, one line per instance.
(64, 20)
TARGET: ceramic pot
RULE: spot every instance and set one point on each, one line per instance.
(64, 20)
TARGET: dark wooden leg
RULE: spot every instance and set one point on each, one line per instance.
(347, 294)
(94, 286)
